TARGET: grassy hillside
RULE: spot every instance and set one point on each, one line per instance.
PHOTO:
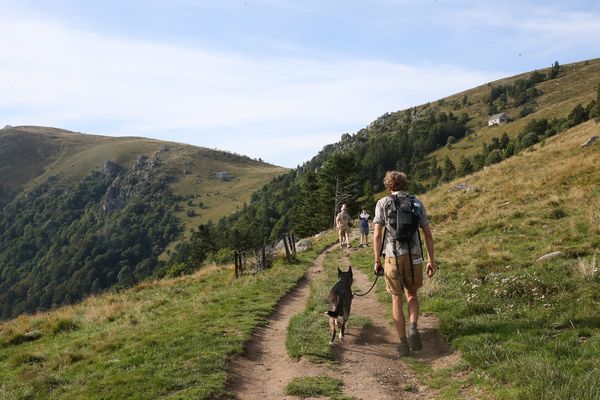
(526, 329)
(166, 339)
(29, 155)
(574, 85)
(528, 323)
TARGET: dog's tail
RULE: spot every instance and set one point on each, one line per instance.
(335, 305)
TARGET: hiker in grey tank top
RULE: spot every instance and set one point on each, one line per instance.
(402, 277)
(384, 208)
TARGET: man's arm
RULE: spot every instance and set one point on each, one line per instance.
(377, 243)
(431, 267)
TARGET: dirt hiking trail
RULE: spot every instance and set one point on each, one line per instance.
(368, 363)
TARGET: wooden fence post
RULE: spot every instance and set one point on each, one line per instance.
(293, 242)
(287, 249)
(237, 264)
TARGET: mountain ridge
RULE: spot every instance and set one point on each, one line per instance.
(82, 213)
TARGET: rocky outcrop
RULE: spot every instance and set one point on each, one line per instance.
(303, 245)
(591, 141)
(549, 256)
(111, 168)
(464, 187)
(115, 198)
(129, 184)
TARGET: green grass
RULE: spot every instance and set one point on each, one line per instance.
(315, 386)
(533, 327)
(166, 339)
(308, 331)
(525, 329)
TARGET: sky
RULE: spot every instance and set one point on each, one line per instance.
(271, 79)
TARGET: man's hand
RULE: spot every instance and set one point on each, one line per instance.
(431, 269)
(378, 268)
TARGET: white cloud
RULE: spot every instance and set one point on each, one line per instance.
(537, 24)
(52, 75)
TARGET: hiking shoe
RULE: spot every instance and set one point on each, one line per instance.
(402, 348)
(414, 338)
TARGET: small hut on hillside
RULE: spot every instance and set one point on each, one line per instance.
(498, 119)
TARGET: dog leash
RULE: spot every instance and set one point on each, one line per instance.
(372, 286)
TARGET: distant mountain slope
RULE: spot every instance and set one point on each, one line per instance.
(30, 154)
(81, 213)
(433, 143)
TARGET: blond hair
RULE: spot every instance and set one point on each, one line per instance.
(395, 181)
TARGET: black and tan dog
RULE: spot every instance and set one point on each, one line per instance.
(340, 301)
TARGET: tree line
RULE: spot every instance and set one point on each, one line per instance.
(306, 199)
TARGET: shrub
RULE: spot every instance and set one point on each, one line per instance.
(494, 157)
(64, 325)
(526, 110)
(178, 269)
(529, 139)
(221, 256)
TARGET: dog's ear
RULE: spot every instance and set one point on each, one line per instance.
(339, 272)
(350, 270)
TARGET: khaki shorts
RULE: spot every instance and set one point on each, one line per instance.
(344, 231)
(393, 283)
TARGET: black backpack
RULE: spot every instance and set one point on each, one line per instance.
(402, 224)
(404, 218)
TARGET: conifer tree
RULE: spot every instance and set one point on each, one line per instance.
(555, 70)
(448, 170)
(369, 202)
(465, 167)
(308, 218)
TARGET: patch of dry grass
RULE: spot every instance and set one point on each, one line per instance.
(587, 268)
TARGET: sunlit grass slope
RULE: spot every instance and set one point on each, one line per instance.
(526, 329)
(167, 339)
(575, 85)
(532, 325)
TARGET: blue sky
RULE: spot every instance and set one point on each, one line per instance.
(273, 79)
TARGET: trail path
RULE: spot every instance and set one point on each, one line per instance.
(368, 361)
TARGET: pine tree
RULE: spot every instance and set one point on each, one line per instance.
(465, 167)
(339, 182)
(448, 171)
(369, 194)
(555, 70)
(307, 219)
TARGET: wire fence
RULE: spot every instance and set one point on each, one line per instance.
(253, 261)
